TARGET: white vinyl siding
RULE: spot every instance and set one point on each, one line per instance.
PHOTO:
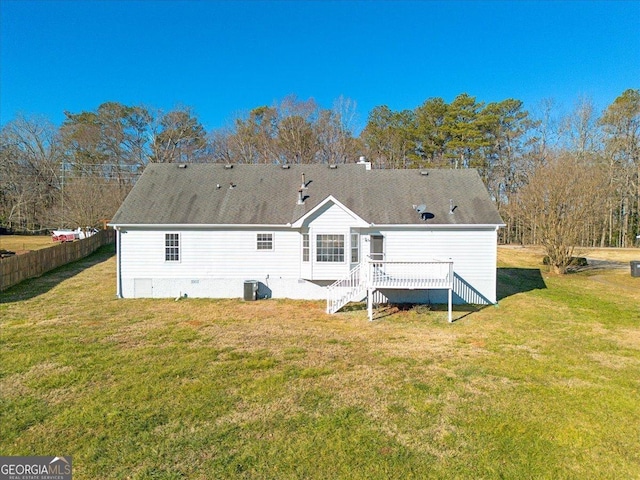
(473, 253)
(331, 220)
(216, 262)
(214, 257)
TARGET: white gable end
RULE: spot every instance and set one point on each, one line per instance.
(330, 224)
(347, 217)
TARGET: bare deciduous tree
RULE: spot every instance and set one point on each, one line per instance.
(562, 195)
(89, 200)
(178, 137)
(621, 124)
(30, 156)
(334, 133)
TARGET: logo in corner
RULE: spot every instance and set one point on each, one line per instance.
(35, 468)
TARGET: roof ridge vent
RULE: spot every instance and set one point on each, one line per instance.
(333, 166)
(286, 166)
(424, 172)
(228, 166)
(182, 165)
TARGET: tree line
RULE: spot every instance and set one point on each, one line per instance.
(573, 177)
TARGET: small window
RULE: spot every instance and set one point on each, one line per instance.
(172, 247)
(330, 248)
(305, 247)
(265, 241)
(355, 248)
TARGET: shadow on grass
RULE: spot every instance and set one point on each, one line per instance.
(518, 280)
(34, 287)
(510, 281)
(388, 309)
(459, 311)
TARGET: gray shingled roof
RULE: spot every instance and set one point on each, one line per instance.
(268, 195)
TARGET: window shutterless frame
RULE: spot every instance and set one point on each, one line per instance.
(306, 250)
(264, 241)
(355, 247)
(330, 248)
(171, 247)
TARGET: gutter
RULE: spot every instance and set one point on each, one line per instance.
(119, 226)
(196, 225)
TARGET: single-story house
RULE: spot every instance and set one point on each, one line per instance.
(341, 232)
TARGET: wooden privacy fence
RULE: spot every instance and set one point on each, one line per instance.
(14, 270)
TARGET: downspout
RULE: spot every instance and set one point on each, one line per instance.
(118, 261)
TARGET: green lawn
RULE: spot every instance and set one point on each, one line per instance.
(545, 385)
(22, 243)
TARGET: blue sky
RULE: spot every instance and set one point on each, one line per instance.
(223, 58)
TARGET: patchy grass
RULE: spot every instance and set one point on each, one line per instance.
(613, 254)
(516, 255)
(24, 243)
(545, 385)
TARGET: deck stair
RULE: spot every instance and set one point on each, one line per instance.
(352, 288)
(367, 277)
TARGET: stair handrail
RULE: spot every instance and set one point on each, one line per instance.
(353, 282)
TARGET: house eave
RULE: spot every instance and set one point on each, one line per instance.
(439, 226)
(298, 224)
(196, 226)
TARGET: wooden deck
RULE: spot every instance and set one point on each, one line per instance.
(374, 275)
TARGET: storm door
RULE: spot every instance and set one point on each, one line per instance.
(377, 247)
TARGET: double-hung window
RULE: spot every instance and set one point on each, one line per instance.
(355, 248)
(172, 247)
(264, 241)
(330, 248)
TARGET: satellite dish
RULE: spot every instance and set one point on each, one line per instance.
(421, 208)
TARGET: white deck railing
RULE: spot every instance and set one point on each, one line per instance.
(347, 289)
(380, 274)
(410, 275)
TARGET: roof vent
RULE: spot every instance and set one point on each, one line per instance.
(182, 165)
(424, 172)
(228, 166)
(232, 185)
(363, 161)
(286, 166)
(452, 207)
(333, 166)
